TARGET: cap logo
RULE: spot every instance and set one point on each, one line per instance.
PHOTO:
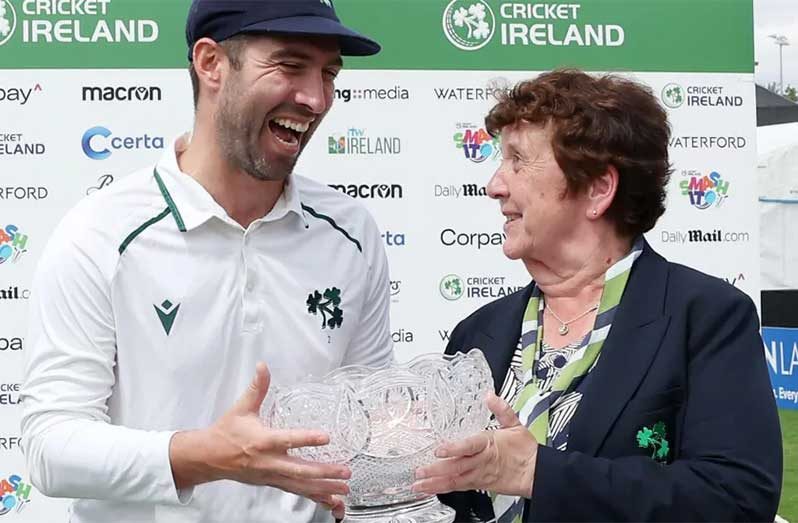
(327, 3)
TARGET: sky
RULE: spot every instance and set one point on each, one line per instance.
(776, 17)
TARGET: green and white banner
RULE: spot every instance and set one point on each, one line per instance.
(91, 90)
(655, 35)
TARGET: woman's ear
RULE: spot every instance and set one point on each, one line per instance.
(601, 193)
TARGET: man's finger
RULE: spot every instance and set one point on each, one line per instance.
(285, 439)
(327, 502)
(332, 503)
(339, 508)
(297, 468)
(310, 488)
(251, 400)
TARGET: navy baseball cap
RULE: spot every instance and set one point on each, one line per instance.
(221, 19)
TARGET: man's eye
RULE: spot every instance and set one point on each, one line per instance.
(331, 74)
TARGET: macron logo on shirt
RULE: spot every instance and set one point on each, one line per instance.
(167, 312)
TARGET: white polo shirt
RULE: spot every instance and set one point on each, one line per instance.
(149, 310)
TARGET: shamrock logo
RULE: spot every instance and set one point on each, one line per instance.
(473, 19)
(673, 95)
(8, 21)
(322, 303)
(451, 287)
(654, 439)
(468, 24)
(5, 25)
(455, 286)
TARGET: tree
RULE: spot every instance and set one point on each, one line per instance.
(791, 93)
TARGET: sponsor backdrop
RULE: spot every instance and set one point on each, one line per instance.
(781, 350)
(91, 90)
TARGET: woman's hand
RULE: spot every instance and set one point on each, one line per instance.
(500, 461)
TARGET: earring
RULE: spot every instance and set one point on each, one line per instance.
(595, 212)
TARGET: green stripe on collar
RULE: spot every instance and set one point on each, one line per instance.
(334, 225)
(141, 228)
(169, 201)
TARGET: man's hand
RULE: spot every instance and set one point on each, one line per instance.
(240, 447)
(334, 504)
(501, 461)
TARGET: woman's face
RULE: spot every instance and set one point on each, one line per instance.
(531, 189)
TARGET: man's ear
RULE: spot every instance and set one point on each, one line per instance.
(209, 61)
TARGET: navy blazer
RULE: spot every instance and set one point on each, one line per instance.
(684, 349)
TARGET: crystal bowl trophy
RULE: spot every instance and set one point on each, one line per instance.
(385, 423)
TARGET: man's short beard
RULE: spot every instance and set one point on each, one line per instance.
(240, 144)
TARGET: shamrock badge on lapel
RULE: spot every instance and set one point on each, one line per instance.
(654, 439)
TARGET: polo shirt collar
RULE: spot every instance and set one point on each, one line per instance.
(190, 203)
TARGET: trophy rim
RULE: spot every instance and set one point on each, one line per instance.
(368, 372)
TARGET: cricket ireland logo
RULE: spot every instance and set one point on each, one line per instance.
(451, 287)
(673, 96)
(468, 24)
(327, 305)
(8, 21)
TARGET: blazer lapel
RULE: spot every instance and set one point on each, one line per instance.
(635, 337)
(499, 337)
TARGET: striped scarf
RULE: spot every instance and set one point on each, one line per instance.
(533, 404)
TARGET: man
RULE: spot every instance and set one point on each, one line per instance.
(155, 298)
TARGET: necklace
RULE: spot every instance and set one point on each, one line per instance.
(563, 330)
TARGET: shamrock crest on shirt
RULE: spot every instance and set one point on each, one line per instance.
(326, 305)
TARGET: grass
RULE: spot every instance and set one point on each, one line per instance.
(788, 508)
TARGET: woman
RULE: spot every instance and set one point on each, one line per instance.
(631, 388)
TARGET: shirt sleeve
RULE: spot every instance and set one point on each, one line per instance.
(371, 344)
(70, 446)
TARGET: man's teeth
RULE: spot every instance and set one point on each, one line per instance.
(294, 126)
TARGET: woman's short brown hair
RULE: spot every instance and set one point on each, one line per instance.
(598, 121)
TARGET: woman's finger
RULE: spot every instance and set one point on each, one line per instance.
(451, 467)
(504, 413)
(444, 484)
(466, 447)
